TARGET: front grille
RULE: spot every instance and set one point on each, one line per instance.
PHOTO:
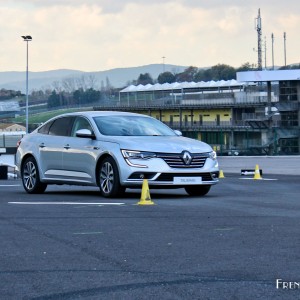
(170, 176)
(176, 160)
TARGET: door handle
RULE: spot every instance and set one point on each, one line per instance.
(42, 145)
(67, 146)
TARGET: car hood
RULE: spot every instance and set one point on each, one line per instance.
(164, 144)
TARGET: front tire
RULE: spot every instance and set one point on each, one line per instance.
(109, 179)
(31, 177)
(197, 190)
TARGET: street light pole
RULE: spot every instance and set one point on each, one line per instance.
(27, 38)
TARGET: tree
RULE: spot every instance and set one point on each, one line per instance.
(53, 100)
(78, 96)
(69, 85)
(220, 72)
(203, 75)
(92, 81)
(145, 79)
(166, 77)
(91, 95)
(244, 67)
(187, 75)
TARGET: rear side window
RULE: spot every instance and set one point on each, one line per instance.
(61, 126)
(45, 128)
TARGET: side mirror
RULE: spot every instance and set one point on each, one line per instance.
(85, 133)
(178, 132)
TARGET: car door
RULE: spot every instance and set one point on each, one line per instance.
(51, 146)
(80, 154)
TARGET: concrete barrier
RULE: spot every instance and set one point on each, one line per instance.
(288, 165)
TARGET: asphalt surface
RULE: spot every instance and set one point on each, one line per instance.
(70, 243)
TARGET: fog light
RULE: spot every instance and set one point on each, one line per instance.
(215, 175)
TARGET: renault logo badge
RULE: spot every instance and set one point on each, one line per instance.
(187, 158)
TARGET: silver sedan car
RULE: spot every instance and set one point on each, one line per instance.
(114, 151)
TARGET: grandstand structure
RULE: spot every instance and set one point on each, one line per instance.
(214, 111)
(283, 136)
(244, 116)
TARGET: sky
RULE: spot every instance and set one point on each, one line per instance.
(98, 35)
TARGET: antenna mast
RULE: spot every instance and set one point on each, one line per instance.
(284, 38)
(259, 44)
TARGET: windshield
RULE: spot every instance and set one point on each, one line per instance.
(131, 126)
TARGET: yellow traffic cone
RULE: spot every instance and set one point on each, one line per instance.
(257, 173)
(145, 195)
(221, 174)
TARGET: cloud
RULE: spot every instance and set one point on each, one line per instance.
(102, 34)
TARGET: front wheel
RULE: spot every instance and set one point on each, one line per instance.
(109, 179)
(197, 190)
(31, 178)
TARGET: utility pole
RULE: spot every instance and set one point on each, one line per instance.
(163, 58)
(27, 38)
(265, 53)
(272, 37)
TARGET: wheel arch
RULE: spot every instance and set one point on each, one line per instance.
(24, 158)
(100, 160)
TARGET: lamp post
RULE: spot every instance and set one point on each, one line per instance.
(27, 38)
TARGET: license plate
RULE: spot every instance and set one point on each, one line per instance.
(187, 180)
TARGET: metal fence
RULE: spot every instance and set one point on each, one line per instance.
(9, 141)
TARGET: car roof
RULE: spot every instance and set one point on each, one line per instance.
(101, 113)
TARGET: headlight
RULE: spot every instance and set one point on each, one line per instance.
(131, 155)
(213, 155)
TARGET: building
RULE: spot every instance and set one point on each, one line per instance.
(235, 117)
(9, 108)
(11, 127)
(282, 127)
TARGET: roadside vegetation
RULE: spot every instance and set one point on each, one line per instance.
(44, 116)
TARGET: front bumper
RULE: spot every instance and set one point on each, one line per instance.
(159, 173)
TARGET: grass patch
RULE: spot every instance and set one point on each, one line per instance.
(45, 116)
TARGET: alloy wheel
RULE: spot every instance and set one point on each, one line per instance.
(107, 178)
(29, 175)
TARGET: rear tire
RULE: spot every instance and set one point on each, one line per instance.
(109, 179)
(197, 190)
(31, 177)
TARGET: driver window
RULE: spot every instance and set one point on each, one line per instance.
(80, 123)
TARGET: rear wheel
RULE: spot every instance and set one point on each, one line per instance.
(197, 190)
(109, 180)
(31, 178)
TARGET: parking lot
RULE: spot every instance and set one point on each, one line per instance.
(70, 243)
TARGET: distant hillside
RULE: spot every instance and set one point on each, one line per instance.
(117, 77)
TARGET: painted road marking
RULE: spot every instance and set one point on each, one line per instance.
(64, 203)
(4, 185)
(95, 232)
(266, 179)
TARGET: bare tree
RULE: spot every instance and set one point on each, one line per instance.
(57, 86)
(69, 85)
(81, 83)
(92, 81)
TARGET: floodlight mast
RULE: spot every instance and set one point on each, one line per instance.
(27, 38)
(284, 39)
(259, 44)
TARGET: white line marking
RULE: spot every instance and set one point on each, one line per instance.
(7, 185)
(95, 232)
(64, 203)
(260, 179)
